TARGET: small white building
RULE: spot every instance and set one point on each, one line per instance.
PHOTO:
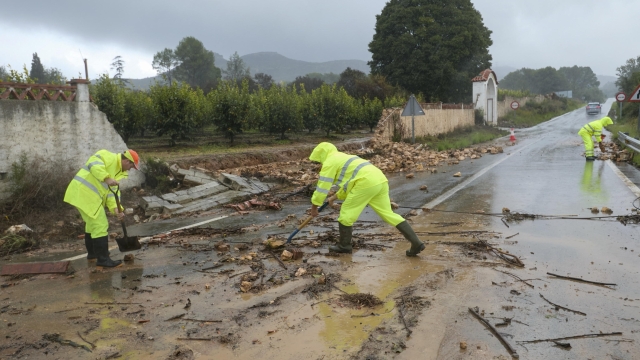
(485, 95)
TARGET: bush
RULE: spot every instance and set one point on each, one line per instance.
(479, 116)
(37, 186)
(158, 176)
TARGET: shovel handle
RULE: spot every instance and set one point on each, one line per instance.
(120, 208)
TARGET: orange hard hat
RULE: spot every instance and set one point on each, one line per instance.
(133, 157)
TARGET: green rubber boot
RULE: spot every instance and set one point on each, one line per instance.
(410, 235)
(344, 244)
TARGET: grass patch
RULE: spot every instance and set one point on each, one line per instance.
(533, 113)
(462, 138)
(11, 243)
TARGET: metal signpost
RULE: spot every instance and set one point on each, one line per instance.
(514, 106)
(412, 108)
(635, 97)
(620, 98)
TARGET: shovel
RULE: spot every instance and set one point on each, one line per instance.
(308, 219)
(126, 243)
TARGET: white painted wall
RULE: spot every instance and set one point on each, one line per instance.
(482, 92)
(49, 130)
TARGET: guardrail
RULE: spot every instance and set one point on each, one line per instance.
(633, 144)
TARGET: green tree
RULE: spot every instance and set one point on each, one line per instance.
(307, 83)
(3, 73)
(433, 47)
(138, 108)
(583, 82)
(333, 108)
(263, 80)
(350, 80)
(626, 81)
(231, 108)
(281, 110)
(117, 103)
(37, 70)
(327, 78)
(173, 110)
(236, 69)
(197, 64)
(117, 64)
(164, 62)
(372, 112)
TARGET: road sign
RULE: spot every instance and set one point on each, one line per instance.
(635, 95)
(620, 97)
(515, 105)
(412, 108)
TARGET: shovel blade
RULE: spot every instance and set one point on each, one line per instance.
(130, 243)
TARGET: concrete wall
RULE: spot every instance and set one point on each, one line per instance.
(504, 106)
(485, 98)
(433, 122)
(69, 131)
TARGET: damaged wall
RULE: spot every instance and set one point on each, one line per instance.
(56, 130)
(433, 122)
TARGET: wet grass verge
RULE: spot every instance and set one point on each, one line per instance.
(532, 113)
(462, 138)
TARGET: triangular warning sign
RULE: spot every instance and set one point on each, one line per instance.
(635, 95)
(412, 108)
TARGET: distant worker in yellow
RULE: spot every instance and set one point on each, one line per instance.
(593, 128)
(359, 184)
(89, 193)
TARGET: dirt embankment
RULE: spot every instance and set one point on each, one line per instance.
(218, 162)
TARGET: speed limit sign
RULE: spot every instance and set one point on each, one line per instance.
(620, 97)
(515, 105)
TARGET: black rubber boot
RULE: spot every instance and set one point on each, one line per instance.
(101, 247)
(88, 243)
(344, 244)
(410, 235)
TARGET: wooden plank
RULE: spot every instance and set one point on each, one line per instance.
(59, 267)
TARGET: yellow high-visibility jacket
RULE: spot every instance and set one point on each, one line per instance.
(343, 170)
(87, 191)
(594, 128)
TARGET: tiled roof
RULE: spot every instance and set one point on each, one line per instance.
(484, 76)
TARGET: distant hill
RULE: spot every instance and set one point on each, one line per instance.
(280, 67)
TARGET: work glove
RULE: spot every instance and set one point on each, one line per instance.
(601, 147)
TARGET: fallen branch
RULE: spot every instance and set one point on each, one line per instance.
(515, 277)
(505, 223)
(495, 332)
(197, 339)
(509, 237)
(57, 338)
(212, 267)
(403, 320)
(340, 289)
(93, 346)
(321, 301)
(242, 273)
(112, 303)
(582, 280)
(61, 311)
(198, 320)
(562, 307)
(280, 261)
(176, 317)
(585, 336)
(511, 259)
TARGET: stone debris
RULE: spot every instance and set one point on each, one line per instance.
(595, 210)
(606, 210)
(255, 204)
(423, 187)
(286, 255)
(300, 272)
(458, 174)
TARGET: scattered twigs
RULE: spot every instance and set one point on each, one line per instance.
(197, 339)
(505, 223)
(280, 261)
(509, 237)
(57, 338)
(585, 336)
(373, 314)
(339, 289)
(242, 273)
(61, 311)
(211, 267)
(515, 277)
(495, 332)
(562, 307)
(562, 345)
(402, 317)
(176, 317)
(93, 346)
(321, 301)
(511, 259)
(582, 280)
(200, 320)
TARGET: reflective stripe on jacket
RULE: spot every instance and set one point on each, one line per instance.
(595, 127)
(343, 170)
(87, 190)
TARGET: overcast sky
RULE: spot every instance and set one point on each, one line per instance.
(526, 33)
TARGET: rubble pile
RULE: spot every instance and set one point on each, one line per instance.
(614, 153)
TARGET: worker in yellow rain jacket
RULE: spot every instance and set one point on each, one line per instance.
(593, 128)
(359, 184)
(89, 193)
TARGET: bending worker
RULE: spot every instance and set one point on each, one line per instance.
(593, 128)
(89, 193)
(360, 184)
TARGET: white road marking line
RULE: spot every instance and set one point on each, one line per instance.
(145, 239)
(463, 184)
(634, 189)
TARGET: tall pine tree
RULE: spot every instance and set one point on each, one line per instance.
(37, 70)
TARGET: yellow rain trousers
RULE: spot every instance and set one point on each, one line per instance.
(89, 194)
(593, 128)
(359, 184)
